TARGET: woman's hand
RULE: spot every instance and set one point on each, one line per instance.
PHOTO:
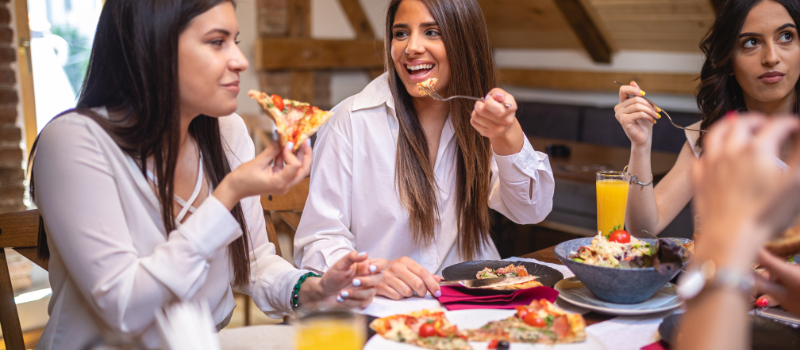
(499, 123)
(258, 177)
(405, 278)
(351, 281)
(636, 115)
(783, 284)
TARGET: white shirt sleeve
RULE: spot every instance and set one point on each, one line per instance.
(323, 236)
(86, 225)
(522, 185)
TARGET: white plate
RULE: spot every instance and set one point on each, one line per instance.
(572, 291)
(467, 319)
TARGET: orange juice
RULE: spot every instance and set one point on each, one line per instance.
(612, 200)
(329, 334)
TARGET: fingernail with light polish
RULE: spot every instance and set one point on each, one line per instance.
(499, 95)
(345, 294)
(308, 141)
(290, 145)
(357, 282)
(362, 253)
(438, 293)
(373, 268)
(339, 299)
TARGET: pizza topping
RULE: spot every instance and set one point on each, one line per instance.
(561, 326)
(278, 101)
(508, 271)
(430, 83)
(427, 330)
(533, 320)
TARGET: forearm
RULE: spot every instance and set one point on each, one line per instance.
(716, 319)
(642, 211)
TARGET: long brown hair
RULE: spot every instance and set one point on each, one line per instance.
(466, 40)
(133, 72)
(718, 91)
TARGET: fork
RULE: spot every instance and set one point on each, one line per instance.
(435, 95)
(663, 111)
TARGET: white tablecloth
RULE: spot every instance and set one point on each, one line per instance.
(267, 337)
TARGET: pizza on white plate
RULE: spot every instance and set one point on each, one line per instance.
(428, 329)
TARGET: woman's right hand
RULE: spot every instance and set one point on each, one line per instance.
(405, 278)
(258, 176)
(636, 115)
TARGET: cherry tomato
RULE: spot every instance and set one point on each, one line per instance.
(762, 302)
(493, 344)
(278, 101)
(620, 236)
(534, 320)
(522, 311)
(427, 330)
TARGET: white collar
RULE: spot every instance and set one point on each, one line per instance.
(375, 94)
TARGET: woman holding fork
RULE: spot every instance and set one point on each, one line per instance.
(411, 179)
(752, 63)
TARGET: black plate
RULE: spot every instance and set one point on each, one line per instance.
(767, 334)
(467, 270)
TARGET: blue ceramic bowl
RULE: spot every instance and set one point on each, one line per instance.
(619, 286)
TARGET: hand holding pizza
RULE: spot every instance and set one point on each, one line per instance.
(499, 123)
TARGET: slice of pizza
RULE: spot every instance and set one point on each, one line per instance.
(430, 83)
(428, 329)
(539, 323)
(295, 121)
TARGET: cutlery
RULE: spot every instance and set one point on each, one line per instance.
(435, 95)
(489, 282)
(663, 111)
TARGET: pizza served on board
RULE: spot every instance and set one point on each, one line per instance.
(295, 121)
(428, 329)
(539, 323)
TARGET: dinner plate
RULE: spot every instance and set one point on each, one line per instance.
(766, 333)
(548, 276)
(574, 292)
(468, 319)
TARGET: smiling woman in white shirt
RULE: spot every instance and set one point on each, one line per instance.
(155, 127)
(411, 179)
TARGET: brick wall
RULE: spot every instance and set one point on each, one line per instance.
(12, 175)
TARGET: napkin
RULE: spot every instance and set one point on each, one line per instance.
(461, 298)
(659, 345)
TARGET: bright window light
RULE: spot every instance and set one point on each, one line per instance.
(32, 296)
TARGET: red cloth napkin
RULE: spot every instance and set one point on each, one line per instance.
(655, 346)
(461, 298)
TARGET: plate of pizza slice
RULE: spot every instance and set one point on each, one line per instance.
(547, 327)
(295, 121)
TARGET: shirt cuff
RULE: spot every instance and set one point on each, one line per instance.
(520, 166)
(211, 227)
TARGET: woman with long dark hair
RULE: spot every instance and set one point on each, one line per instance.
(148, 190)
(752, 63)
(411, 179)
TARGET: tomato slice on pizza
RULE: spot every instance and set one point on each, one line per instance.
(428, 329)
(540, 323)
(295, 121)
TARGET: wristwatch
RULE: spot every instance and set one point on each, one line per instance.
(695, 279)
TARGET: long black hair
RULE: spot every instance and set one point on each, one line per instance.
(133, 73)
(718, 91)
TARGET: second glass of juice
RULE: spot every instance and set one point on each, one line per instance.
(612, 200)
(330, 327)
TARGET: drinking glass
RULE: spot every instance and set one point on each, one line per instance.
(330, 327)
(612, 200)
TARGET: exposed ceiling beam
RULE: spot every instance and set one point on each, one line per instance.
(358, 19)
(303, 53)
(598, 81)
(585, 29)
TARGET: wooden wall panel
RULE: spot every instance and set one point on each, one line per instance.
(528, 24)
(597, 81)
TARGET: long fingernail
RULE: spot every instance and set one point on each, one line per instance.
(762, 302)
(641, 92)
(487, 96)
(658, 116)
(499, 95)
(362, 253)
(415, 293)
(437, 293)
(339, 299)
(373, 268)
(290, 145)
(357, 282)
(658, 109)
(345, 294)
(730, 115)
(275, 136)
(308, 141)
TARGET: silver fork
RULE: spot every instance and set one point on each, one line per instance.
(662, 110)
(435, 95)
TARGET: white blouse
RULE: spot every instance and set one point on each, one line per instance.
(353, 203)
(112, 265)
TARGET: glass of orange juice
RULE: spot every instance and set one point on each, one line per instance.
(330, 327)
(612, 200)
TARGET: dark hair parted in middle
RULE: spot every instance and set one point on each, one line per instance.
(466, 41)
(718, 91)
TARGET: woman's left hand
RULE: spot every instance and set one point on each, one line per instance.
(499, 123)
(351, 281)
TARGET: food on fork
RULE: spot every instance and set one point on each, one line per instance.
(430, 83)
(294, 121)
(428, 329)
(539, 323)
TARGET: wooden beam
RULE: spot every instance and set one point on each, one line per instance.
(300, 18)
(19, 229)
(586, 29)
(291, 53)
(598, 81)
(9, 319)
(358, 19)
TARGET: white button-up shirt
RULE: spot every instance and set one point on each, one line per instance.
(353, 203)
(112, 265)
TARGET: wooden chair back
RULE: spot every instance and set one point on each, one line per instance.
(19, 231)
(288, 207)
